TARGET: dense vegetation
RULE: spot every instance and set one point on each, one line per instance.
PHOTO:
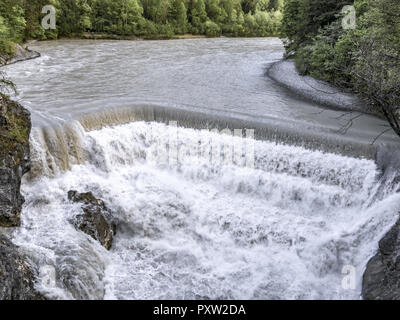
(365, 59)
(21, 19)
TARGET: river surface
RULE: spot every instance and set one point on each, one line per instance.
(203, 210)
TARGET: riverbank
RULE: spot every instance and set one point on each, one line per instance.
(22, 53)
(285, 73)
(107, 36)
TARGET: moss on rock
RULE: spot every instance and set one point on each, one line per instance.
(15, 127)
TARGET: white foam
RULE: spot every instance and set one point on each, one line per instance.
(282, 229)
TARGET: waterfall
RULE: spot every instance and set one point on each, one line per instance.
(222, 184)
(226, 217)
(57, 147)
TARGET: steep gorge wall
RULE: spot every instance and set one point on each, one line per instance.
(15, 127)
(17, 274)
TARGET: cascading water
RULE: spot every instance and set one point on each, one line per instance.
(200, 214)
(283, 227)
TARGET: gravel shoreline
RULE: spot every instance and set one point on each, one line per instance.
(285, 73)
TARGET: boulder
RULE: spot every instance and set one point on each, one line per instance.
(15, 127)
(17, 277)
(381, 279)
(96, 218)
(21, 53)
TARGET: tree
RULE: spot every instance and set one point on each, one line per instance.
(12, 25)
(365, 60)
(21, 19)
(262, 5)
(212, 29)
(276, 5)
(215, 12)
(303, 19)
(177, 16)
(197, 16)
(33, 17)
(376, 72)
(294, 22)
(249, 6)
(116, 16)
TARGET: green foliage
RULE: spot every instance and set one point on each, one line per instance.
(12, 25)
(177, 16)
(215, 12)
(294, 22)
(16, 126)
(303, 19)
(212, 29)
(197, 16)
(6, 85)
(365, 59)
(21, 19)
(249, 6)
(73, 16)
(262, 5)
(121, 17)
(33, 16)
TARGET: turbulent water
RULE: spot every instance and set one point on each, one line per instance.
(203, 211)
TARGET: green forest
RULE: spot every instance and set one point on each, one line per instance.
(21, 19)
(365, 59)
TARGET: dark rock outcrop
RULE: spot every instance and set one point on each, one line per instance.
(95, 221)
(21, 53)
(17, 278)
(15, 127)
(381, 280)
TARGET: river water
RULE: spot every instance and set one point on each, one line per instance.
(163, 132)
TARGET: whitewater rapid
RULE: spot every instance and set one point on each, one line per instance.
(223, 184)
(283, 225)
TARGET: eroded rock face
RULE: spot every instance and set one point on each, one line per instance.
(15, 127)
(95, 221)
(21, 53)
(17, 278)
(381, 280)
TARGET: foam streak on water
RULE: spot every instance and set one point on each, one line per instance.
(282, 229)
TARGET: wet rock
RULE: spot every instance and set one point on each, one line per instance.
(15, 127)
(17, 278)
(96, 221)
(381, 280)
(21, 53)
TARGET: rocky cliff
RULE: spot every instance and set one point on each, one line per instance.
(15, 127)
(17, 274)
(381, 280)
